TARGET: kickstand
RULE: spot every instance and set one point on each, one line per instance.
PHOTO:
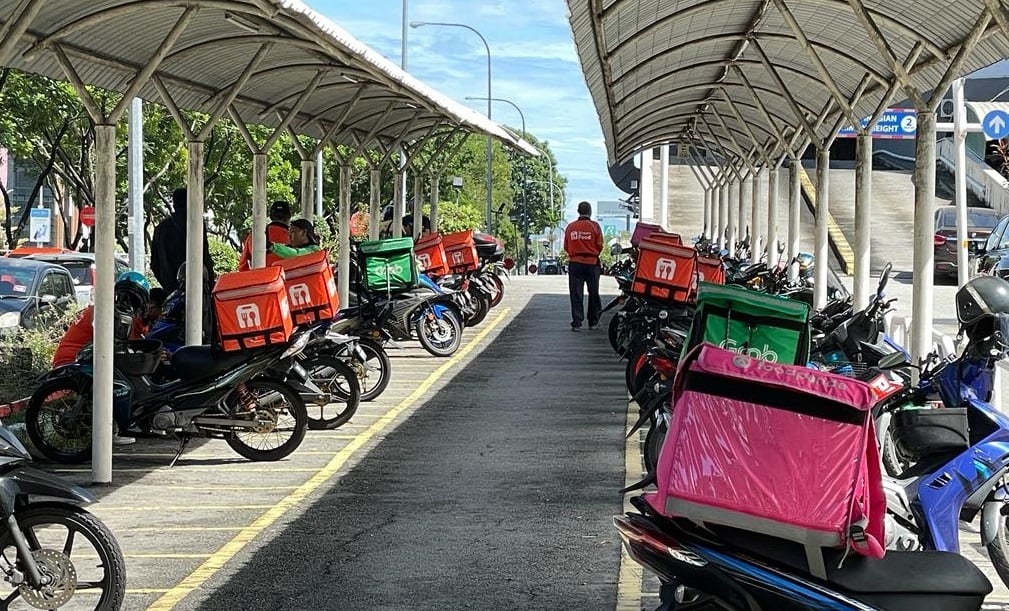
(182, 448)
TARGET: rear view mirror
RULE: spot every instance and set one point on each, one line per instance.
(615, 249)
(49, 299)
(895, 360)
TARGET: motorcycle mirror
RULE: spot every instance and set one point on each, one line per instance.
(615, 249)
(894, 360)
(509, 263)
(884, 276)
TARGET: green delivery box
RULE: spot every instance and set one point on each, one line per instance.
(388, 265)
(762, 326)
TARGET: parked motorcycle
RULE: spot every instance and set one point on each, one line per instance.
(55, 552)
(433, 319)
(713, 567)
(219, 395)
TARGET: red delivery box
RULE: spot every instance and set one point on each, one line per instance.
(664, 271)
(431, 256)
(460, 248)
(311, 288)
(252, 309)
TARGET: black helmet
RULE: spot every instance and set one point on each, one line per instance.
(982, 297)
(132, 293)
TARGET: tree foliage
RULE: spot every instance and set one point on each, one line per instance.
(44, 125)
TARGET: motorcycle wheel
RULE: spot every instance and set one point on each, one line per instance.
(290, 416)
(653, 444)
(439, 336)
(637, 359)
(374, 373)
(67, 541)
(498, 293)
(58, 421)
(998, 550)
(613, 332)
(481, 306)
(335, 377)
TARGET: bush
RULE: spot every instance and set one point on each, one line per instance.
(225, 257)
(26, 355)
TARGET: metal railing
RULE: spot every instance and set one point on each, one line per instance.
(982, 180)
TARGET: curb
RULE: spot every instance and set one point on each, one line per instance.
(838, 241)
(9, 409)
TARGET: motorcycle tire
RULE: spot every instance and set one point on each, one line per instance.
(335, 377)
(613, 332)
(481, 308)
(654, 439)
(637, 359)
(448, 326)
(998, 549)
(375, 372)
(498, 293)
(51, 527)
(78, 431)
(297, 412)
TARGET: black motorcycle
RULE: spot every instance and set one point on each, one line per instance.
(212, 394)
(53, 549)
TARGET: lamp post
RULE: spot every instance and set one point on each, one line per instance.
(525, 177)
(490, 149)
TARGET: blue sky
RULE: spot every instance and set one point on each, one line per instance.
(533, 63)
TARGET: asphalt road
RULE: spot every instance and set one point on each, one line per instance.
(496, 494)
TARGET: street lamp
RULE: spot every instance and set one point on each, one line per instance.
(490, 149)
(525, 176)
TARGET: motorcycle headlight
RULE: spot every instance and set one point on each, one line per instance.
(296, 346)
(9, 319)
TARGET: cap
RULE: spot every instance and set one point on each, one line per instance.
(280, 208)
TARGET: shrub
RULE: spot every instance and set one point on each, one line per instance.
(26, 355)
(225, 257)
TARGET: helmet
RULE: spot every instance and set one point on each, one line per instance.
(132, 292)
(982, 297)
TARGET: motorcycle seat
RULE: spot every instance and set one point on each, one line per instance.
(936, 580)
(198, 362)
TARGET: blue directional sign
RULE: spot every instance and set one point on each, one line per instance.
(895, 124)
(996, 124)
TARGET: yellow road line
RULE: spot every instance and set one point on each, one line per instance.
(630, 577)
(228, 551)
(101, 509)
(834, 231)
(151, 529)
(225, 488)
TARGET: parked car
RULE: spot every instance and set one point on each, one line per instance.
(550, 267)
(980, 223)
(81, 266)
(31, 291)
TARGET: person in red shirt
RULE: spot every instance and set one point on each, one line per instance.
(583, 241)
(276, 233)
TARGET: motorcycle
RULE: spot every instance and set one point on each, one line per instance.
(53, 549)
(336, 364)
(712, 567)
(218, 395)
(433, 319)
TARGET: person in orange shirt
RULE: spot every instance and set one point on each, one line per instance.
(583, 241)
(276, 232)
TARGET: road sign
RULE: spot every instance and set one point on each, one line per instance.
(996, 124)
(87, 216)
(895, 124)
(39, 226)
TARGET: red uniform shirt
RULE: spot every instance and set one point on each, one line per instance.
(275, 232)
(583, 241)
(80, 334)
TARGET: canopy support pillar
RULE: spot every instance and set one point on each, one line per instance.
(821, 244)
(794, 215)
(863, 219)
(772, 215)
(343, 229)
(755, 229)
(924, 229)
(375, 203)
(663, 186)
(194, 245)
(435, 198)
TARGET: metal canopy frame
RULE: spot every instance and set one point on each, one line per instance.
(655, 68)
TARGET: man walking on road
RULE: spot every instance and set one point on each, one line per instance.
(583, 241)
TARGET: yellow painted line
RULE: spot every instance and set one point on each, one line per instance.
(224, 488)
(228, 551)
(216, 469)
(166, 556)
(153, 529)
(100, 509)
(834, 231)
(629, 578)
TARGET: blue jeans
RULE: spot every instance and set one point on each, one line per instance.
(579, 275)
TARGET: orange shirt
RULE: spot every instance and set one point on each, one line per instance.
(275, 232)
(583, 241)
(80, 334)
